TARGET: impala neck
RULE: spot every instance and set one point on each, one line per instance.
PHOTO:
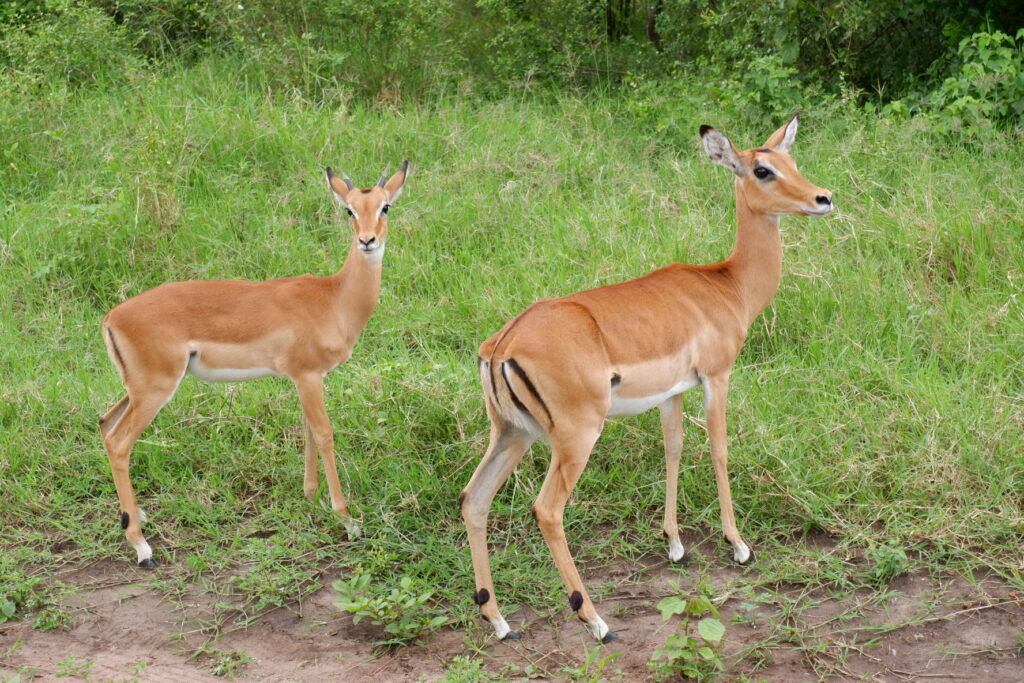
(358, 289)
(756, 260)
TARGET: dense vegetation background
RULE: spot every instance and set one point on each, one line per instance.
(879, 400)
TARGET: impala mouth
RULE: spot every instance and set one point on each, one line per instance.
(819, 212)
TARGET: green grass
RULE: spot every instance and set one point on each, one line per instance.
(878, 400)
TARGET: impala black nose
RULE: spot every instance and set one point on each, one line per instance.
(368, 242)
(822, 199)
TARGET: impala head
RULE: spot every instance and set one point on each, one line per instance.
(766, 176)
(368, 207)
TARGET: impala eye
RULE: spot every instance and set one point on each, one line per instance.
(761, 173)
(349, 211)
(384, 209)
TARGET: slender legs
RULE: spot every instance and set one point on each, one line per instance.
(121, 427)
(311, 480)
(569, 455)
(672, 427)
(716, 392)
(504, 452)
(311, 396)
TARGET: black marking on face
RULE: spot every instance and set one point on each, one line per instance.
(366, 191)
(615, 381)
(765, 150)
(704, 130)
(481, 596)
(529, 386)
(124, 520)
(576, 601)
(102, 421)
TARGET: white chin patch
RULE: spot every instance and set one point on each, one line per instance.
(741, 553)
(376, 255)
(675, 550)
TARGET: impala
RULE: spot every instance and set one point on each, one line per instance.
(232, 330)
(623, 349)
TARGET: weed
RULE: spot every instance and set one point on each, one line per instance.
(693, 655)
(887, 562)
(402, 610)
(593, 668)
(72, 666)
(465, 670)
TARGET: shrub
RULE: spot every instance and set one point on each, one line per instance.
(77, 45)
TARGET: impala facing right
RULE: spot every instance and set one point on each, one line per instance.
(564, 365)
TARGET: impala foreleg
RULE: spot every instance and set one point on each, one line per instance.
(504, 452)
(311, 396)
(121, 428)
(310, 480)
(569, 455)
(716, 391)
(672, 427)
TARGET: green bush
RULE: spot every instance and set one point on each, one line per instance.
(985, 86)
(78, 45)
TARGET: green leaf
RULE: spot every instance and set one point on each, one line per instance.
(670, 606)
(710, 629)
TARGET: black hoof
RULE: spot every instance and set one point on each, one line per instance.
(686, 559)
(512, 635)
(609, 637)
(750, 560)
(148, 563)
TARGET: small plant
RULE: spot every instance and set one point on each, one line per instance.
(593, 666)
(694, 655)
(72, 666)
(227, 664)
(887, 562)
(22, 595)
(466, 670)
(402, 611)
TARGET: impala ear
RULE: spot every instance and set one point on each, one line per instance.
(720, 150)
(339, 186)
(783, 138)
(394, 186)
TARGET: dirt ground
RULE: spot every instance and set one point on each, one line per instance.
(941, 629)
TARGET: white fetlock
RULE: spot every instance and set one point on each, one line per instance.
(501, 628)
(143, 551)
(676, 551)
(598, 628)
(741, 553)
(352, 528)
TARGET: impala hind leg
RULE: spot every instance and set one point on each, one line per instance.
(569, 455)
(504, 452)
(716, 392)
(672, 427)
(311, 395)
(121, 427)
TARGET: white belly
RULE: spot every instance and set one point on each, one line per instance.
(624, 407)
(196, 367)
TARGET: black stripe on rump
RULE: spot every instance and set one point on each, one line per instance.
(117, 352)
(529, 386)
(515, 399)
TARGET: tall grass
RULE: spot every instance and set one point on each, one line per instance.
(878, 399)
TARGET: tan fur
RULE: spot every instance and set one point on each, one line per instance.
(670, 328)
(296, 327)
